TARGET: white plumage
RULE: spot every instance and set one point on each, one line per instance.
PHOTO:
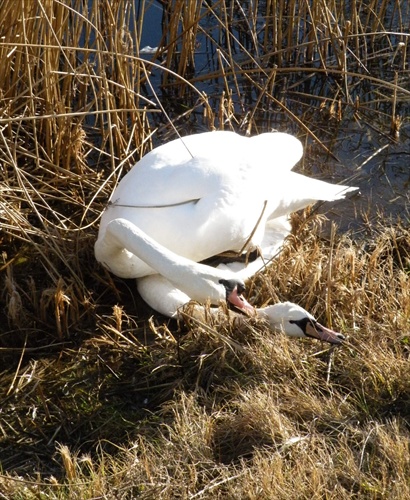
(195, 198)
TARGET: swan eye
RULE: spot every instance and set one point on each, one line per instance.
(240, 287)
(304, 322)
(231, 285)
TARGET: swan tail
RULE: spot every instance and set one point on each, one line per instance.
(317, 190)
(339, 193)
(305, 188)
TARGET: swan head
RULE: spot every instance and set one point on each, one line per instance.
(296, 322)
(234, 288)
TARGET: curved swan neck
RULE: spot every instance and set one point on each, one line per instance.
(129, 236)
(197, 280)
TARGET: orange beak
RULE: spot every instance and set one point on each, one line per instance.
(319, 331)
(239, 301)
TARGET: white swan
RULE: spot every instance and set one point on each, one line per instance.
(194, 199)
(204, 283)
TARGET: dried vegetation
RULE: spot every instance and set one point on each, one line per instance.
(100, 399)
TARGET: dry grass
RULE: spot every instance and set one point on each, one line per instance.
(102, 400)
(216, 411)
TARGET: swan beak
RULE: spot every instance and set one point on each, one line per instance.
(319, 331)
(239, 301)
(234, 290)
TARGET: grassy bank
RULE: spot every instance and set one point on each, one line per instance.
(101, 398)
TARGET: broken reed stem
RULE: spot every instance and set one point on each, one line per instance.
(329, 285)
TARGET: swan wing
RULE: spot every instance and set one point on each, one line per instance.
(188, 169)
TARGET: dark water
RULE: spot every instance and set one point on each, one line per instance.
(364, 151)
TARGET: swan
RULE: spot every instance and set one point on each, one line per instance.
(211, 193)
(163, 291)
(193, 198)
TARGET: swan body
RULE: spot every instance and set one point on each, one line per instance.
(211, 193)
